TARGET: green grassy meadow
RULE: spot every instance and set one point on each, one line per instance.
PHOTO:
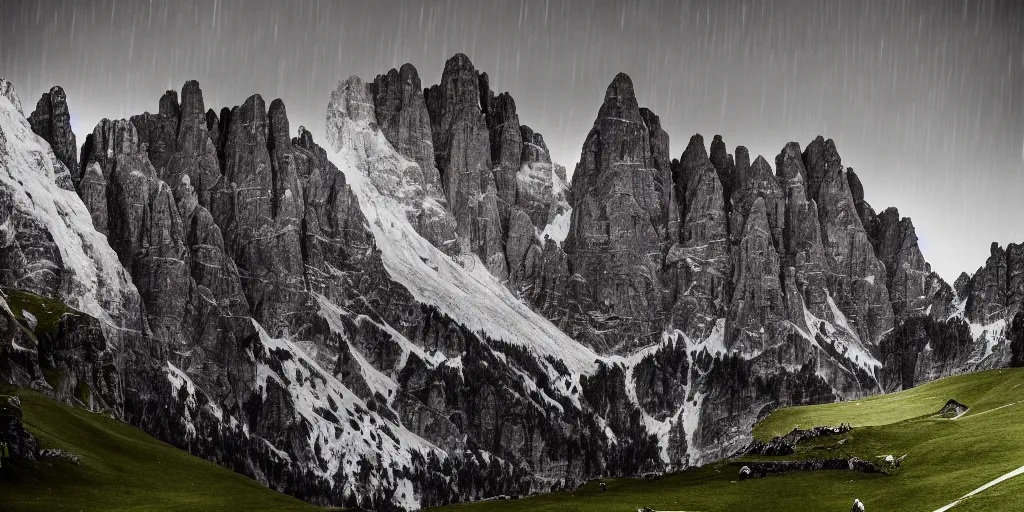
(946, 459)
(121, 468)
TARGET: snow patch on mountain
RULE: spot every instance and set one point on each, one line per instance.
(558, 228)
(342, 431)
(468, 293)
(93, 280)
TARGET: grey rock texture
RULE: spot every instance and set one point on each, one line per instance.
(698, 264)
(996, 290)
(857, 279)
(462, 150)
(908, 274)
(613, 244)
(402, 116)
(51, 120)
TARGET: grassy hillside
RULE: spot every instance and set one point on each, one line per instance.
(946, 459)
(121, 468)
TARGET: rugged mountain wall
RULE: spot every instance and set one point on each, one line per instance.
(424, 311)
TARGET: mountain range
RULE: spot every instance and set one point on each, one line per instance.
(424, 310)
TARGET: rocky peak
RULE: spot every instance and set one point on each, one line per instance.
(169, 105)
(962, 285)
(193, 150)
(613, 244)
(789, 165)
(304, 139)
(846, 242)
(697, 268)
(507, 147)
(462, 150)
(620, 101)
(402, 116)
(759, 182)
(534, 147)
(7, 91)
(908, 274)
(724, 165)
(996, 290)
(108, 140)
(665, 213)
(742, 166)
(278, 125)
(51, 120)
(864, 210)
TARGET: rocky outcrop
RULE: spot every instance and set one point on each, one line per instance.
(952, 409)
(402, 115)
(857, 278)
(725, 166)
(803, 251)
(462, 152)
(762, 469)
(51, 120)
(16, 442)
(613, 245)
(506, 143)
(757, 310)
(996, 290)
(921, 349)
(907, 273)
(7, 91)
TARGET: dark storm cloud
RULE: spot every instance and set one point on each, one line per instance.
(925, 99)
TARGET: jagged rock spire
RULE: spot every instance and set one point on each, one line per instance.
(613, 244)
(51, 120)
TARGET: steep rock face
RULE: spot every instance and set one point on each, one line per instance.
(540, 192)
(758, 182)
(698, 263)
(613, 246)
(51, 120)
(908, 275)
(51, 254)
(725, 166)
(259, 212)
(757, 309)
(665, 215)
(195, 154)
(160, 131)
(462, 152)
(144, 227)
(402, 116)
(803, 245)
(867, 214)
(996, 291)
(857, 278)
(506, 142)
(922, 348)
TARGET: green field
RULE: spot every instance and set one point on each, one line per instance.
(121, 468)
(946, 459)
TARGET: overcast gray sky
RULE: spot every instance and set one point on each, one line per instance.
(924, 99)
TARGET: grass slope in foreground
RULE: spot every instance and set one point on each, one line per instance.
(121, 468)
(946, 459)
